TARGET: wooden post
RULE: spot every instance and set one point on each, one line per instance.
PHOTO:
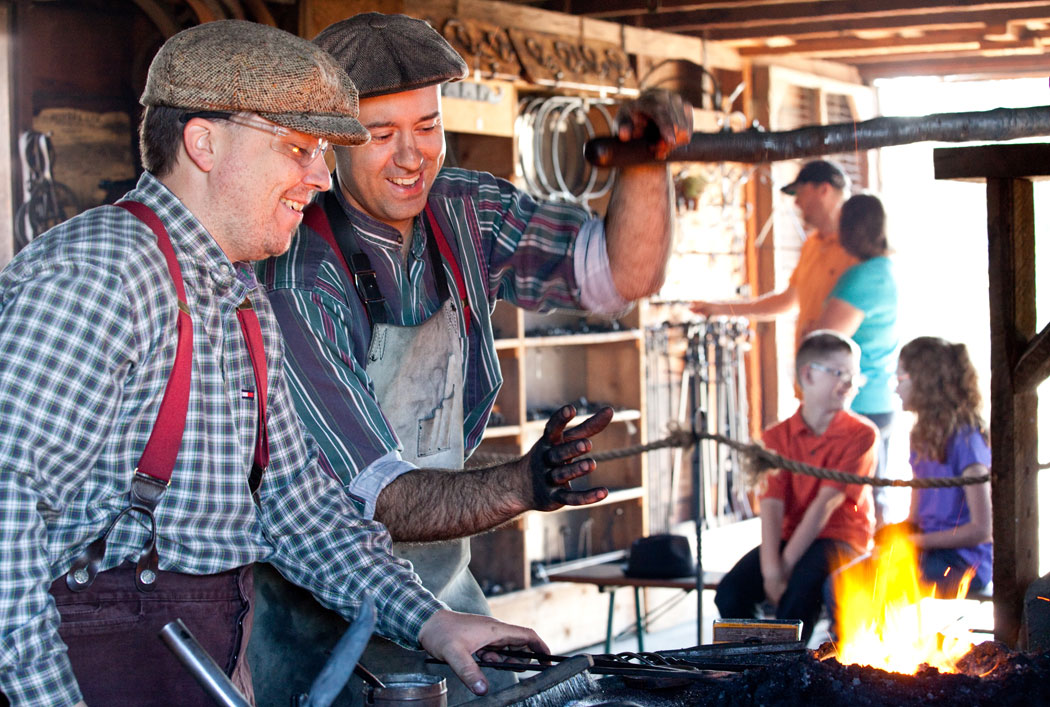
(1011, 292)
(1015, 354)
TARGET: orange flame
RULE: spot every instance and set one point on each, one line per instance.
(887, 617)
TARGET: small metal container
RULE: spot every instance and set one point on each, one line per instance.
(408, 689)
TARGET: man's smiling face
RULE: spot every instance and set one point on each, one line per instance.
(390, 177)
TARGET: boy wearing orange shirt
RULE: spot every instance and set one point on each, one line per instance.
(810, 526)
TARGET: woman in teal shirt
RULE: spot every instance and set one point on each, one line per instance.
(863, 305)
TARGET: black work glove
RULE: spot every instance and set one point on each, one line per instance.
(658, 116)
(553, 461)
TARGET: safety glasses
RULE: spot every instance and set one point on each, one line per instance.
(855, 380)
(284, 141)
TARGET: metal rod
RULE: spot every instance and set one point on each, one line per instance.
(542, 681)
(753, 146)
(201, 665)
(336, 671)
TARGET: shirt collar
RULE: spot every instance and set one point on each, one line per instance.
(369, 230)
(797, 426)
(193, 241)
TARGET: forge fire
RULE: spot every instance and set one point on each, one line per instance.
(888, 618)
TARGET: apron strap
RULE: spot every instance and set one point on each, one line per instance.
(330, 221)
(339, 233)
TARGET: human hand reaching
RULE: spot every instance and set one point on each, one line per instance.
(553, 462)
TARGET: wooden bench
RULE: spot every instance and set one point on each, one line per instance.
(610, 577)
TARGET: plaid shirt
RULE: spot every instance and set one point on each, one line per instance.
(87, 340)
(507, 245)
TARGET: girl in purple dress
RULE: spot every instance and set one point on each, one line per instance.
(952, 526)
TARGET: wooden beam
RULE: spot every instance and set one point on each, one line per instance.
(1014, 428)
(315, 15)
(970, 67)
(854, 46)
(822, 24)
(992, 161)
(962, 53)
(1034, 366)
(1014, 433)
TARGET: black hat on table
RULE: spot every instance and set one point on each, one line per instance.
(391, 53)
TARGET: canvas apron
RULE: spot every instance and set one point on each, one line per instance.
(417, 373)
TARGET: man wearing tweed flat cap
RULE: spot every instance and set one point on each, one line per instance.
(396, 377)
(151, 449)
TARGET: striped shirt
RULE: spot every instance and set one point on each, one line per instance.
(536, 255)
(87, 340)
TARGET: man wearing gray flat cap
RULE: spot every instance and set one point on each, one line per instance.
(151, 452)
(385, 300)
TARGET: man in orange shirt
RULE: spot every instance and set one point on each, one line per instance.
(810, 526)
(819, 190)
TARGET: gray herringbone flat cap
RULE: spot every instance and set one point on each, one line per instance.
(233, 65)
(391, 53)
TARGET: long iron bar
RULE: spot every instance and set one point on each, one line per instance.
(754, 146)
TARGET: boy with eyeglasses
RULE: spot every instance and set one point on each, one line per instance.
(810, 526)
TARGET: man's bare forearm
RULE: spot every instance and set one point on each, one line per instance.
(437, 504)
(639, 227)
(425, 505)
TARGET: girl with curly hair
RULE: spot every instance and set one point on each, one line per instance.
(952, 527)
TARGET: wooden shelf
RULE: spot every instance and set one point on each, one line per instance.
(545, 372)
(618, 416)
(502, 431)
(604, 337)
(632, 493)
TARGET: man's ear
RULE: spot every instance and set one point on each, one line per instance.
(805, 374)
(198, 141)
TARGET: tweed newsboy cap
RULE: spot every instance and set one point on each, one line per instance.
(233, 65)
(391, 53)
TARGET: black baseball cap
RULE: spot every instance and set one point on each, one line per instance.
(818, 172)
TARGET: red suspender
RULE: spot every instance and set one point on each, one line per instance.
(158, 458)
(457, 274)
(153, 473)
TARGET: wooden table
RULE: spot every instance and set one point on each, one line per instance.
(610, 577)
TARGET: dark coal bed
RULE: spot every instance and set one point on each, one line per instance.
(991, 674)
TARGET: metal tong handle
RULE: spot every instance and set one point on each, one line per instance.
(201, 665)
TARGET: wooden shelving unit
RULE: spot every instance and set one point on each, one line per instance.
(541, 373)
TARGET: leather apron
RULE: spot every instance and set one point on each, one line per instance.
(418, 377)
(417, 373)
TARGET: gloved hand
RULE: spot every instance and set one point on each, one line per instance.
(553, 461)
(660, 117)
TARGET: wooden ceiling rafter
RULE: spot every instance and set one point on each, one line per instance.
(819, 26)
(848, 48)
(898, 37)
(723, 13)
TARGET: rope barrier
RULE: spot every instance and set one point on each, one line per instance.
(761, 460)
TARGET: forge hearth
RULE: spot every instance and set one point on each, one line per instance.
(992, 675)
